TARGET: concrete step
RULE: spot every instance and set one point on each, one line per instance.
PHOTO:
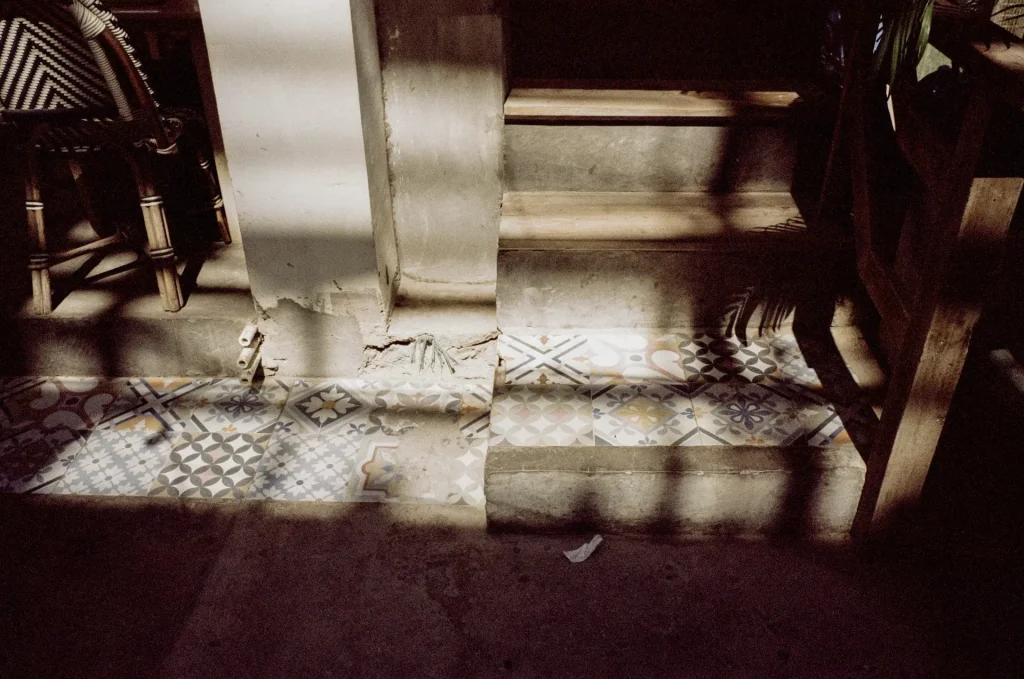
(689, 433)
(582, 220)
(649, 140)
(646, 106)
(638, 259)
(114, 324)
(734, 491)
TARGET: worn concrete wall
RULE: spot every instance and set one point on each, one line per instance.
(306, 171)
(371, 101)
(649, 158)
(444, 91)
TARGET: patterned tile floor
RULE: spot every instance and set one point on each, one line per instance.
(632, 389)
(374, 441)
(322, 440)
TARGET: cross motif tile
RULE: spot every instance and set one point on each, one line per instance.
(544, 359)
(306, 467)
(154, 404)
(475, 411)
(644, 415)
(211, 465)
(542, 416)
(117, 463)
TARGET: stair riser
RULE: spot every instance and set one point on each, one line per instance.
(701, 491)
(648, 158)
(646, 289)
(122, 347)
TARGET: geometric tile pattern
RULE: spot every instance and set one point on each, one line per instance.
(353, 440)
(153, 404)
(78, 403)
(644, 415)
(323, 407)
(294, 440)
(402, 469)
(211, 465)
(467, 477)
(544, 359)
(742, 413)
(554, 415)
(306, 467)
(633, 358)
(117, 463)
(672, 390)
(231, 407)
(35, 459)
(475, 411)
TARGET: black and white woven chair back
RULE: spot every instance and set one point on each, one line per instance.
(50, 58)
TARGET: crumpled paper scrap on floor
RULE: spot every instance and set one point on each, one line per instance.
(582, 553)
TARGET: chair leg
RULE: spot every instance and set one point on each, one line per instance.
(39, 259)
(216, 199)
(161, 251)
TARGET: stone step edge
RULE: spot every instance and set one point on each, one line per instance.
(718, 490)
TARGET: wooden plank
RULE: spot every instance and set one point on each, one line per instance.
(776, 85)
(96, 245)
(927, 151)
(885, 295)
(638, 220)
(646, 105)
(154, 11)
(992, 54)
(922, 386)
(971, 221)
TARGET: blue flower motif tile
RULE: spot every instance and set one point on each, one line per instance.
(737, 413)
(231, 407)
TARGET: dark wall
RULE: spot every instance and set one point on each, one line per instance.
(660, 39)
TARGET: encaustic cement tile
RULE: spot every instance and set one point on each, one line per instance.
(390, 470)
(633, 358)
(757, 414)
(467, 477)
(558, 415)
(153, 404)
(417, 457)
(34, 460)
(231, 407)
(714, 358)
(644, 415)
(117, 463)
(324, 407)
(544, 359)
(211, 465)
(475, 411)
(306, 467)
(78, 403)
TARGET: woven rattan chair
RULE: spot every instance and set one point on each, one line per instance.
(70, 85)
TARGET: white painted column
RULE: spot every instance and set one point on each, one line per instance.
(307, 168)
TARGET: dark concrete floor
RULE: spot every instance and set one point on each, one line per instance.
(145, 588)
(142, 588)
